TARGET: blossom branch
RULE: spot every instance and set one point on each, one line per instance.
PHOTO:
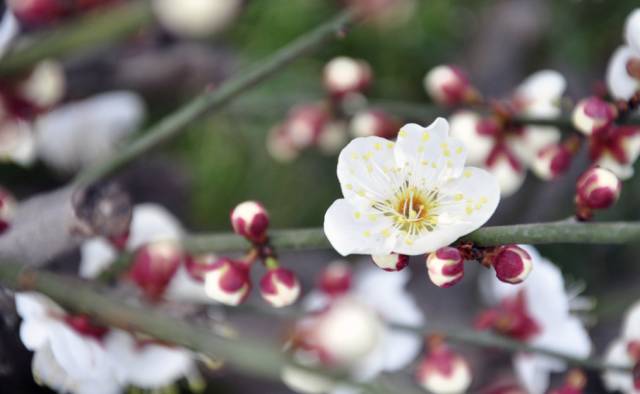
(97, 28)
(209, 101)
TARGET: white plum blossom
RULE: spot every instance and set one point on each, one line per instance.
(196, 18)
(350, 330)
(410, 197)
(537, 311)
(508, 151)
(623, 72)
(625, 351)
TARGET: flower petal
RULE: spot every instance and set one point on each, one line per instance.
(351, 231)
(544, 85)
(621, 85)
(464, 128)
(509, 178)
(97, 254)
(9, 29)
(632, 30)
(530, 374)
(617, 354)
(631, 325)
(533, 139)
(151, 223)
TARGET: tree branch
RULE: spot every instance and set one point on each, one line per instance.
(173, 124)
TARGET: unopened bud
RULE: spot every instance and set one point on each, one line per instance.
(335, 279)
(597, 188)
(344, 75)
(332, 137)
(195, 18)
(154, 265)
(445, 267)
(280, 146)
(448, 85)
(391, 262)
(373, 122)
(593, 114)
(512, 264)
(250, 220)
(305, 123)
(444, 372)
(36, 12)
(7, 209)
(228, 281)
(280, 287)
(552, 161)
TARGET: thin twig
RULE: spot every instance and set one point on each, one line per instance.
(209, 101)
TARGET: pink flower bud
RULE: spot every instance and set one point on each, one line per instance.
(444, 372)
(552, 161)
(448, 85)
(335, 279)
(154, 265)
(280, 146)
(198, 266)
(228, 281)
(251, 220)
(374, 122)
(305, 123)
(445, 267)
(37, 12)
(344, 75)
(512, 264)
(332, 137)
(391, 262)
(280, 287)
(510, 318)
(593, 114)
(597, 188)
(7, 209)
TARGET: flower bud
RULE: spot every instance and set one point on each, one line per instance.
(45, 86)
(510, 318)
(305, 123)
(251, 220)
(344, 75)
(512, 264)
(448, 85)
(335, 279)
(445, 267)
(154, 265)
(373, 122)
(444, 372)
(7, 209)
(280, 287)
(280, 146)
(552, 161)
(597, 188)
(198, 266)
(332, 137)
(575, 383)
(391, 262)
(593, 114)
(228, 281)
(36, 12)
(195, 18)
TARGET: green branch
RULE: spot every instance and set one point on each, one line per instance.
(173, 124)
(97, 28)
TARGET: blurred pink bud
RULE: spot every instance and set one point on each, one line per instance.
(391, 262)
(597, 188)
(198, 266)
(552, 161)
(335, 279)
(332, 138)
(196, 18)
(448, 85)
(280, 287)
(280, 146)
(443, 371)
(575, 383)
(304, 124)
(374, 122)
(7, 209)
(445, 267)
(593, 114)
(154, 265)
(512, 264)
(228, 281)
(250, 220)
(510, 318)
(37, 12)
(83, 325)
(344, 75)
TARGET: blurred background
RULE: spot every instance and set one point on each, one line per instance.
(223, 160)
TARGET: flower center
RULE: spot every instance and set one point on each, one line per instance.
(413, 210)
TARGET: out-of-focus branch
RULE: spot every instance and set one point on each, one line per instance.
(97, 28)
(561, 232)
(209, 101)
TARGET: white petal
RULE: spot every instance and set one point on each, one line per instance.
(195, 18)
(46, 369)
(631, 325)
(508, 177)
(350, 231)
(97, 254)
(17, 143)
(151, 223)
(622, 171)
(303, 381)
(9, 29)
(621, 85)
(401, 348)
(533, 138)
(632, 30)
(183, 288)
(464, 128)
(545, 85)
(363, 168)
(568, 336)
(614, 380)
(315, 301)
(30, 305)
(533, 376)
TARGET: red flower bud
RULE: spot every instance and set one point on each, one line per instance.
(344, 75)
(443, 371)
(37, 12)
(597, 188)
(391, 262)
(280, 287)
(251, 220)
(448, 85)
(593, 114)
(512, 263)
(510, 318)
(228, 281)
(154, 265)
(445, 267)
(374, 122)
(305, 123)
(552, 161)
(335, 279)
